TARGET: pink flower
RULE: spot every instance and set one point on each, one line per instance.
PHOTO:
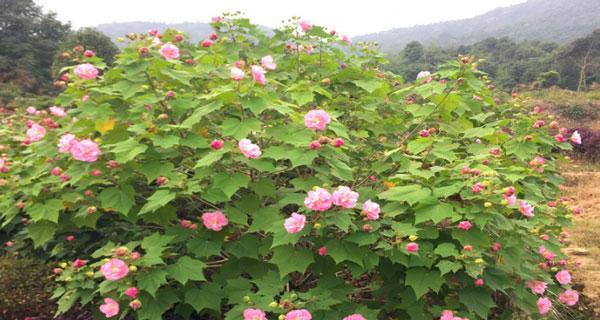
(206, 43)
(110, 308)
(509, 191)
(563, 277)
(412, 247)
(57, 111)
(295, 223)
(544, 305)
(478, 282)
(249, 149)
(337, 142)
(569, 297)
(216, 19)
(131, 292)
(169, 51)
(267, 63)
(258, 74)
(371, 210)
(318, 199)
(85, 150)
(538, 287)
(539, 124)
(237, 74)
(305, 26)
(424, 133)
(217, 144)
(344, 197)
(346, 39)
(31, 110)
(322, 251)
(86, 71)
(559, 138)
(525, 208)
(36, 132)
(114, 269)
(465, 225)
(548, 255)
(78, 263)
(478, 187)
(317, 119)
(214, 220)
(355, 316)
(301, 314)
(55, 171)
(576, 137)
(449, 315)
(511, 200)
(254, 314)
(89, 53)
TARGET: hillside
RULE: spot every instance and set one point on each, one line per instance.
(549, 20)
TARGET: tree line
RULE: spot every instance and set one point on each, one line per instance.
(574, 66)
(34, 46)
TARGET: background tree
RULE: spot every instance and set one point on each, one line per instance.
(28, 39)
(89, 39)
(579, 62)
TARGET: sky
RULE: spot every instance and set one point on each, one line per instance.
(352, 17)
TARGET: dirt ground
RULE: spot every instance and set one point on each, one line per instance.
(583, 182)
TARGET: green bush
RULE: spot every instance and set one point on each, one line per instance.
(204, 181)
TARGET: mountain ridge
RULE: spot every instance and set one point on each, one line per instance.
(545, 20)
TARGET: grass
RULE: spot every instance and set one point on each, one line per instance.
(583, 182)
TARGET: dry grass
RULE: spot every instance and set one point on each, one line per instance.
(584, 184)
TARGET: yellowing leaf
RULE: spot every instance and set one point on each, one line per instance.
(104, 126)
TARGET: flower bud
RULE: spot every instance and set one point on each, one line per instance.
(135, 304)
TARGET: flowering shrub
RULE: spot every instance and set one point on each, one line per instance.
(286, 177)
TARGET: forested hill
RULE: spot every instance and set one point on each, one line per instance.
(550, 20)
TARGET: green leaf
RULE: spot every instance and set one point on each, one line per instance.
(229, 183)
(150, 281)
(340, 169)
(208, 296)
(524, 150)
(446, 191)
(41, 232)
(419, 145)
(239, 129)
(154, 245)
(158, 200)
(446, 266)
(128, 150)
(48, 210)
(210, 158)
(411, 193)
(446, 249)
(477, 300)
(186, 269)
(289, 259)
(435, 212)
(302, 97)
(120, 199)
(423, 280)
(478, 132)
(369, 85)
(199, 113)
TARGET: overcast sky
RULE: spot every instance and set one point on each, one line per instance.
(352, 17)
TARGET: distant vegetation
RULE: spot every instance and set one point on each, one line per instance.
(545, 20)
(574, 66)
(31, 42)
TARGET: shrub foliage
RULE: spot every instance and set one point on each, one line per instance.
(286, 173)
